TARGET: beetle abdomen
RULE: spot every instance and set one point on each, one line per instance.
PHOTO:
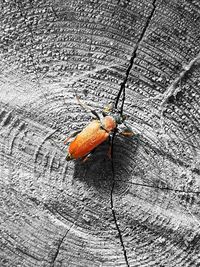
(89, 138)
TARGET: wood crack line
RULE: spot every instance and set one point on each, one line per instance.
(134, 54)
(62, 239)
(122, 89)
(112, 204)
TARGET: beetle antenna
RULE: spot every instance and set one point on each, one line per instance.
(85, 106)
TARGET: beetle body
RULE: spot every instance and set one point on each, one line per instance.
(95, 133)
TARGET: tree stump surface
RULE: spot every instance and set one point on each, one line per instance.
(145, 210)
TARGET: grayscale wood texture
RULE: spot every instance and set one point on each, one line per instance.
(59, 213)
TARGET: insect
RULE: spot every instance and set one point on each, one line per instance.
(82, 143)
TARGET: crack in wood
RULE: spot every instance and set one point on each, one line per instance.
(115, 214)
(161, 188)
(29, 255)
(58, 248)
(134, 54)
(62, 239)
(112, 204)
(122, 90)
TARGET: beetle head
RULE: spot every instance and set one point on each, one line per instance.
(119, 118)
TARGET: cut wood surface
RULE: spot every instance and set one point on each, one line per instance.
(141, 208)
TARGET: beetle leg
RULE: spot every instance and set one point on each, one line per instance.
(69, 157)
(136, 136)
(127, 132)
(87, 157)
(68, 139)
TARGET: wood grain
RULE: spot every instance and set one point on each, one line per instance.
(59, 213)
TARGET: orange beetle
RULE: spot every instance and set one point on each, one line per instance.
(95, 133)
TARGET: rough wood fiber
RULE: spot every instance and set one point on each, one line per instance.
(58, 213)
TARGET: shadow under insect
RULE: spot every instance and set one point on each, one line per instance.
(100, 171)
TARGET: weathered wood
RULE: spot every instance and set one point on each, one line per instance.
(59, 213)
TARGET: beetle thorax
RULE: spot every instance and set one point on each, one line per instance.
(109, 123)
